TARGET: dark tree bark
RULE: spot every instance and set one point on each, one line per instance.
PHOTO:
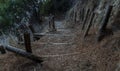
(83, 14)
(27, 42)
(89, 24)
(86, 17)
(2, 50)
(104, 23)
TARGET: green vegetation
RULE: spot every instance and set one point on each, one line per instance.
(46, 7)
(14, 11)
(55, 6)
(4, 20)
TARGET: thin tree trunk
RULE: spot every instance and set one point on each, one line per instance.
(89, 25)
(104, 23)
(86, 17)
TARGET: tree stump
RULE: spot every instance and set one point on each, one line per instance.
(2, 50)
(52, 27)
(27, 42)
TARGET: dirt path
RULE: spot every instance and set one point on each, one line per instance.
(57, 43)
(55, 48)
(65, 50)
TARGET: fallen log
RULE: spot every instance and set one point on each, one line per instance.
(39, 35)
(104, 23)
(23, 53)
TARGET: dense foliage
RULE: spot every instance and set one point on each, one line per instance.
(20, 11)
(55, 6)
(17, 11)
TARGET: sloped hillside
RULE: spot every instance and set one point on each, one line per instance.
(70, 48)
(98, 6)
(104, 55)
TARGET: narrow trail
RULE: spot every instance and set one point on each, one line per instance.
(65, 50)
(55, 48)
(58, 50)
(59, 43)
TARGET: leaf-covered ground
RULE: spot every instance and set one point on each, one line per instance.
(66, 50)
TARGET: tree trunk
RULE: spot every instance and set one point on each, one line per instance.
(27, 42)
(104, 23)
(86, 17)
(2, 50)
(89, 25)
